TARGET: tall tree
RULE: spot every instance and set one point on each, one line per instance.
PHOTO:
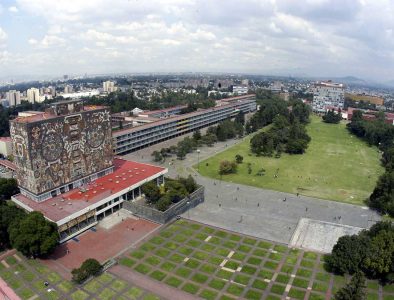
(354, 290)
(34, 235)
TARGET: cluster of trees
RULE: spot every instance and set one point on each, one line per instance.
(378, 133)
(171, 192)
(287, 134)
(370, 252)
(31, 234)
(8, 187)
(332, 117)
(90, 267)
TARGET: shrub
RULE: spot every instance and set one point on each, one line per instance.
(227, 167)
(90, 267)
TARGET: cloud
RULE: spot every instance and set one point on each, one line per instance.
(48, 41)
(13, 9)
(317, 37)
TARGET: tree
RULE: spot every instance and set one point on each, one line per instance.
(240, 118)
(348, 254)
(8, 188)
(164, 203)
(301, 111)
(189, 183)
(239, 158)
(151, 191)
(175, 190)
(227, 167)
(354, 290)
(332, 117)
(90, 267)
(382, 198)
(157, 156)
(197, 135)
(9, 214)
(181, 152)
(34, 235)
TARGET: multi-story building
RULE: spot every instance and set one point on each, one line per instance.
(240, 89)
(109, 86)
(135, 138)
(61, 149)
(66, 169)
(33, 95)
(328, 94)
(5, 146)
(68, 89)
(13, 98)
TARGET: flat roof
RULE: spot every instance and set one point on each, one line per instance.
(126, 174)
(152, 112)
(179, 117)
(46, 116)
(8, 164)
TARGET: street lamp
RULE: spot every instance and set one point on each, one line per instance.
(188, 208)
(198, 160)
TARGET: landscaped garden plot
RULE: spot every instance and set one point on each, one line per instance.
(27, 277)
(216, 264)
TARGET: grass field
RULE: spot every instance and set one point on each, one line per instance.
(215, 264)
(336, 166)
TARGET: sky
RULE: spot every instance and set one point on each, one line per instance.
(272, 37)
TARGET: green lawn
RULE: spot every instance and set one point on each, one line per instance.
(337, 166)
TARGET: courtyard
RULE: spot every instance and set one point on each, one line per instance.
(213, 263)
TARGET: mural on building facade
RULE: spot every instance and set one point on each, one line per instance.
(57, 151)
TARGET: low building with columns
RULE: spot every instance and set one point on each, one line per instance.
(79, 209)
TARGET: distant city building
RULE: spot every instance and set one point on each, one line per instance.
(240, 89)
(276, 87)
(68, 89)
(328, 94)
(245, 82)
(13, 97)
(109, 86)
(5, 146)
(33, 95)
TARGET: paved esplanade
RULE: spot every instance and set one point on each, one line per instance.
(255, 211)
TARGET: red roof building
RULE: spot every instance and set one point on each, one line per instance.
(79, 209)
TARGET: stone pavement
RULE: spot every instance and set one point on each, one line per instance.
(101, 244)
(255, 211)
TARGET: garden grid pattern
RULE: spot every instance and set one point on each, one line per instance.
(216, 264)
(26, 277)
